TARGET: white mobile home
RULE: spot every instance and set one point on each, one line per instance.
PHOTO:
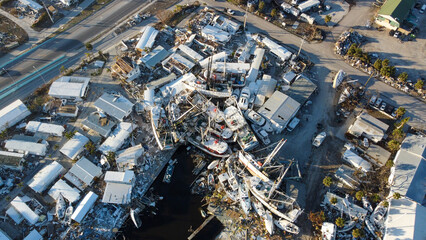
(117, 137)
(278, 50)
(27, 147)
(84, 207)
(47, 128)
(72, 88)
(46, 176)
(12, 114)
(147, 39)
(74, 146)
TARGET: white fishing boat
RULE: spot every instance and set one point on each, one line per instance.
(319, 139)
(211, 145)
(134, 215)
(338, 79)
(265, 215)
(224, 181)
(261, 134)
(233, 118)
(252, 166)
(244, 198)
(201, 86)
(159, 124)
(213, 165)
(220, 130)
(287, 226)
(243, 101)
(328, 231)
(246, 138)
(367, 204)
(210, 179)
(60, 206)
(254, 117)
(68, 213)
(378, 215)
(277, 202)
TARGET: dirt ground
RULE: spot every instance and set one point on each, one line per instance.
(15, 33)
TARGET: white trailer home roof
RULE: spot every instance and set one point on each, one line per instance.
(26, 147)
(356, 161)
(74, 146)
(126, 177)
(119, 187)
(51, 129)
(12, 114)
(46, 176)
(118, 107)
(23, 209)
(190, 52)
(15, 215)
(368, 126)
(155, 56)
(84, 207)
(4, 236)
(279, 109)
(69, 87)
(405, 220)
(409, 171)
(33, 235)
(306, 6)
(255, 65)
(231, 67)
(127, 158)
(147, 39)
(214, 58)
(68, 192)
(117, 137)
(215, 34)
(84, 170)
(277, 49)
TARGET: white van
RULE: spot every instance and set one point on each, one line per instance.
(293, 124)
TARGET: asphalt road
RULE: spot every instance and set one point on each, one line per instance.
(68, 43)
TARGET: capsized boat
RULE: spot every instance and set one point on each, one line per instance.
(378, 215)
(338, 79)
(287, 226)
(134, 215)
(60, 206)
(265, 215)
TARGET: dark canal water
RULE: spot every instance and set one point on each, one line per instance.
(177, 212)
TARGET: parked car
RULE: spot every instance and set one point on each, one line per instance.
(365, 143)
(373, 99)
(378, 102)
(397, 34)
(383, 107)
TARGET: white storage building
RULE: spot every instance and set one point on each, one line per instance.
(278, 50)
(279, 110)
(46, 176)
(82, 173)
(147, 39)
(117, 137)
(26, 147)
(84, 207)
(72, 88)
(118, 107)
(127, 158)
(119, 186)
(356, 161)
(74, 146)
(12, 114)
(48, 128)
(68, 192)
(226, 24)
(22, 208)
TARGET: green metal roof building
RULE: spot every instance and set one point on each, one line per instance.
(394, 12)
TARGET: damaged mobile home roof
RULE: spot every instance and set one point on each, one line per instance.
(147, 39)
(230, 67)
(84, 206)
(26, 147)
(84, 170)
(155, 56)
(118, 107)
(190, 52)
(128, 157)
(215, 34)
(214, 58)
(21, 207)
(51, 129)
(368, 126)
(74, 146)
(117, 137)
(68, 192)
(119, 187)
(277, 49)
(46, 176)
(12, 114)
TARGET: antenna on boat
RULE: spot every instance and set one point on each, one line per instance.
(274, 152)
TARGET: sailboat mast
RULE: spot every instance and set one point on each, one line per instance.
(274, 152)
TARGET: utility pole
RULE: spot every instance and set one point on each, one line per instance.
(7, 71)
(245, 19)
(41, 75)
(47, 10)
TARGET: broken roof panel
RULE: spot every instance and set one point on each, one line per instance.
(34, 235)
(21, 207)
(155, 56)
(127, 158)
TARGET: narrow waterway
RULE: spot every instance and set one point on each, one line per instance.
(177, 212)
